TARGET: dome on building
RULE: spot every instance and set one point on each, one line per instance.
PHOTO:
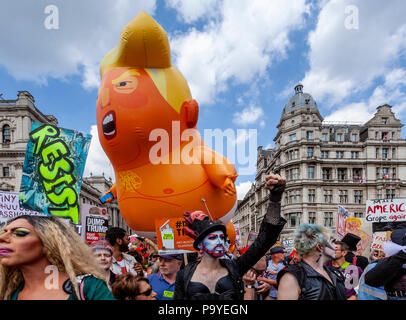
(299, 100)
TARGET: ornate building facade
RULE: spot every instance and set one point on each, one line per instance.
(327, 164)
(16, 118)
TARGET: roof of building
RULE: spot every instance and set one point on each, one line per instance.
(299, 100)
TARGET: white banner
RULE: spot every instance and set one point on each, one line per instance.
(10, 207)
(386, 210)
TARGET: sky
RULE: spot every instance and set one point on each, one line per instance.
(241, 59)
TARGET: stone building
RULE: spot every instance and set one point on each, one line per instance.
(327, 164)
(16, 118)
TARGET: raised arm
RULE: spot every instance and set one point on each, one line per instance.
(271, 225)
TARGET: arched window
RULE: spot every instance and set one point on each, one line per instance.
(6, 134)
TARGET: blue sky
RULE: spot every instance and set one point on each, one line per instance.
(241, 59)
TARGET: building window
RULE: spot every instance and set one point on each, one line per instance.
(377, 153)
(6, 171)
(390, 193)
(376, 134)
(343, 196)
(384, 120)
(358, 215)
(354, 154)
(385, 153)
(293, 173)
(294, 154)
(310, 152)
(385, 136)
(357, 174)
(393, 173)
(339, 137)
(292, 137)
(324, 154)
(324, 137)
(6, 134)
(312, 195)
(328, 196)
(379, 193)
(378, 173)
(358, 196)
(309, 135)
(341, 174)
(294, 219)
(312, 217)
(393, 153)
(385, 173)
(339, 154)
(294, 196)
(328, 219)
(354, 137)
(326, 173)
(310, 172)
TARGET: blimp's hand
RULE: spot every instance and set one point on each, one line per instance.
(229, 187)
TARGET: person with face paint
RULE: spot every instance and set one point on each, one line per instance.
(213, 277)
(310, 279)
(43, 258)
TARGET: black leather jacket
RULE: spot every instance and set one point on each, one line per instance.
(267, 236)
(313, 286)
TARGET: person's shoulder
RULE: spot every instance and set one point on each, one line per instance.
(129, 257)
(153, 276)
(96, 289)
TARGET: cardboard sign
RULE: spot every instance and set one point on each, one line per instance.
(171, 237)
(52, 172)
(355, 226)
(95, 222)
(342, 216)
(379, 238)
(288, 244)
(386, 210)
(10, 207)
(237, 234)
(251, 237)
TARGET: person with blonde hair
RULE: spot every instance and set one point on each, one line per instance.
(43, 258)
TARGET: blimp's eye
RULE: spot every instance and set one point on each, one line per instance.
(123, 83)
(125, 86)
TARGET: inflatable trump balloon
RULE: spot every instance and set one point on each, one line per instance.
(231, 234)
(146, 121)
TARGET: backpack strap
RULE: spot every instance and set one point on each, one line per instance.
(81, 284)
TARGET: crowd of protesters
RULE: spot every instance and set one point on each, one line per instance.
(43, 258)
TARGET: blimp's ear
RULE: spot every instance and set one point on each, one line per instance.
(190, 111)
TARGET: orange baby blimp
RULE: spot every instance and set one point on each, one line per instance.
(146, 121)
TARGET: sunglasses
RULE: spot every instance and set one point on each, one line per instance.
(258, 272)
(146, 293)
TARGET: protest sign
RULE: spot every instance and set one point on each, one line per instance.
(251, 237)
(341, 216)
(237, 234)
(52, 172)
(10, 207)
(288, 244)
(95, 222)
(386, 210)
(379, 238)
(362, 230)
(171, 237)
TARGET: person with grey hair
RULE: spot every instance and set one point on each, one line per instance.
(310, 279)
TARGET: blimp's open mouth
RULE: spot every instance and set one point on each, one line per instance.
(109, 125)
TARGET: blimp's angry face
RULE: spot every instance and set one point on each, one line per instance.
(129, 108)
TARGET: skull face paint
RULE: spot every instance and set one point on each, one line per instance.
(214, 244)
(330, 249)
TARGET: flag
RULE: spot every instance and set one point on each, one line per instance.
(385, 176)
(362, 181)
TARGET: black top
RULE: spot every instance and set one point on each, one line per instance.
(224, 286)
(313, 285)
(267, 236)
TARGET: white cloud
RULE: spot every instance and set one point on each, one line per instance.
(344, 62)
(97, 162)
(87, 31)
(237, 48)
(193, 10)
(242, 189)
(248, 116)
(389, 92)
